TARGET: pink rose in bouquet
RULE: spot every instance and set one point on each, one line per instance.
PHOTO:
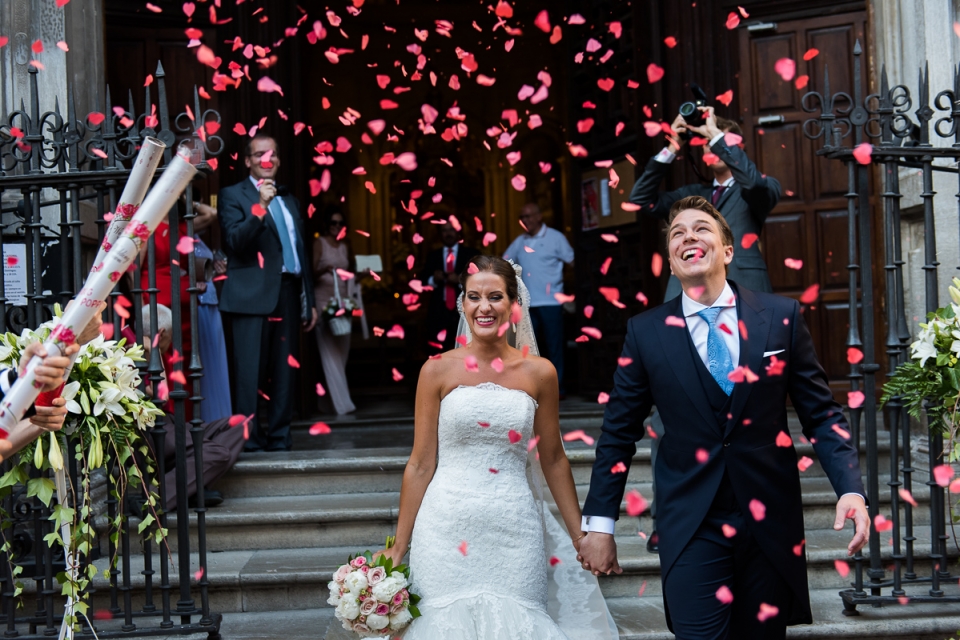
(369, 606)
(376, 575)
(358, 562)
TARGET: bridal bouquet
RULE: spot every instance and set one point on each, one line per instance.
(371, 596)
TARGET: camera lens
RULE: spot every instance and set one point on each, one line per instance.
(687, 109)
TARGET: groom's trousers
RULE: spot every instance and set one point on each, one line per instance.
(712, 560)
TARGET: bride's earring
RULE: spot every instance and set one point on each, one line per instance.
(514, 325)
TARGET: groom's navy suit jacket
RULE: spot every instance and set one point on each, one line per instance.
(663, 371)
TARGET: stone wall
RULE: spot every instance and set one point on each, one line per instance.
(908, 34)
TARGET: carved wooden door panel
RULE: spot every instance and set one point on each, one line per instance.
(810, 223)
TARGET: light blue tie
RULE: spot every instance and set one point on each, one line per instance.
(289, 260)
(719, 361)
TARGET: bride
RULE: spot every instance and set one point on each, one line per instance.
(486, 555)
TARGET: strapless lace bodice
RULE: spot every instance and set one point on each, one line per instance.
(483, 433)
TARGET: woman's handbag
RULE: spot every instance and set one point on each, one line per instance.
(342, 324)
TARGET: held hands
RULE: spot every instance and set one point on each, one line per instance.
(50, 418)
(852, 507)
(51, 371)
(268, 191)
(598, 554)
(395, 554)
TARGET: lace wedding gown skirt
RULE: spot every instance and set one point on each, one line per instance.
(488, 558)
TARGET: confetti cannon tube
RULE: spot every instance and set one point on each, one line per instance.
(175, 178)
(151, 152)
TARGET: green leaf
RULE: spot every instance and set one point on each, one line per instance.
(414, 598)
(414, 612)
(145, 523)
(41, 488)
(16, 475)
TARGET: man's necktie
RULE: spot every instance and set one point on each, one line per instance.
(719, 361)
(449, 293)
(289, 259)
(715, 198)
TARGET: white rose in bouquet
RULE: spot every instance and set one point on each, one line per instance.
(349, 608)
(388, 587)
(400, 619)
(376, 622)
(355, 582)
(334, 598)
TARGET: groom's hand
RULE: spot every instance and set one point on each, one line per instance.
(852, 507)
(598, 554)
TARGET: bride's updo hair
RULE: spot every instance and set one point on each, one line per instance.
(497, 266)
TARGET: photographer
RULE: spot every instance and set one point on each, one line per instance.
(739, 191)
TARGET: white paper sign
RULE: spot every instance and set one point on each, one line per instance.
(369, 263)
(15, 274)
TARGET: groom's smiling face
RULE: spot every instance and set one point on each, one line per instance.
(486, 305)
(696, 246)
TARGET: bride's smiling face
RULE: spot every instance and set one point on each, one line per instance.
(486, 304)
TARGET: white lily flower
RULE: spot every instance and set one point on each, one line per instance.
(69, 393)
(109, 400)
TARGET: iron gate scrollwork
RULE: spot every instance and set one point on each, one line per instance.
(55, 162)
(897, 140)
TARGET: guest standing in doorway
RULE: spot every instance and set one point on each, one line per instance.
(330, 253)
(442, 271)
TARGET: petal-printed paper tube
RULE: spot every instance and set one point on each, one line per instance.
(151, 152)
(176, 176)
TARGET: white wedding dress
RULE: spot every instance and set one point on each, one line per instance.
(487, 557)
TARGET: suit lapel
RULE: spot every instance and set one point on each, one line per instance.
(674, 341)
(756, 320)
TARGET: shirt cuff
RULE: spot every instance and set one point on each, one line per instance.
(856, 494)
(665, 156)
(430, 282)
(717, 138)
(599, 524)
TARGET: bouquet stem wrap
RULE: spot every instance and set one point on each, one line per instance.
(151, 152)
(175, 178)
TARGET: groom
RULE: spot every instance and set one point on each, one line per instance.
(719, 362)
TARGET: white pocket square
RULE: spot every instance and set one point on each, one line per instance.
(767, 354)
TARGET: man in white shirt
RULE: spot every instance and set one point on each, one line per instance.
(720, 362)
(542, 252)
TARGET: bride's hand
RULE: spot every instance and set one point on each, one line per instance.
(394, 553)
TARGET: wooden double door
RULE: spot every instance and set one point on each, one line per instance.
(810, 223)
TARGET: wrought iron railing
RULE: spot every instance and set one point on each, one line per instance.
(883, 120)
(57, 162)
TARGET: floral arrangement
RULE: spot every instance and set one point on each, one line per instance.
(371, 595)
(333, 307)
(930, 381)
(106, 425)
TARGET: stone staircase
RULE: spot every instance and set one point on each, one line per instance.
(289, 519)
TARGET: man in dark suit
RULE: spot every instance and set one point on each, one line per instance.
(442, 271)
(268, 292)
(726, 459)
(739, 191)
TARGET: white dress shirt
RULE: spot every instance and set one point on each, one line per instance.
(291, 230)
(699, 330)
(666, 156)
(446, 251)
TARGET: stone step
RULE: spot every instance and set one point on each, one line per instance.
(377, 470)
(642, 619)
(278, 522)
(278, 579)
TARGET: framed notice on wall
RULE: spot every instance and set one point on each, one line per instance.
(601, 204)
